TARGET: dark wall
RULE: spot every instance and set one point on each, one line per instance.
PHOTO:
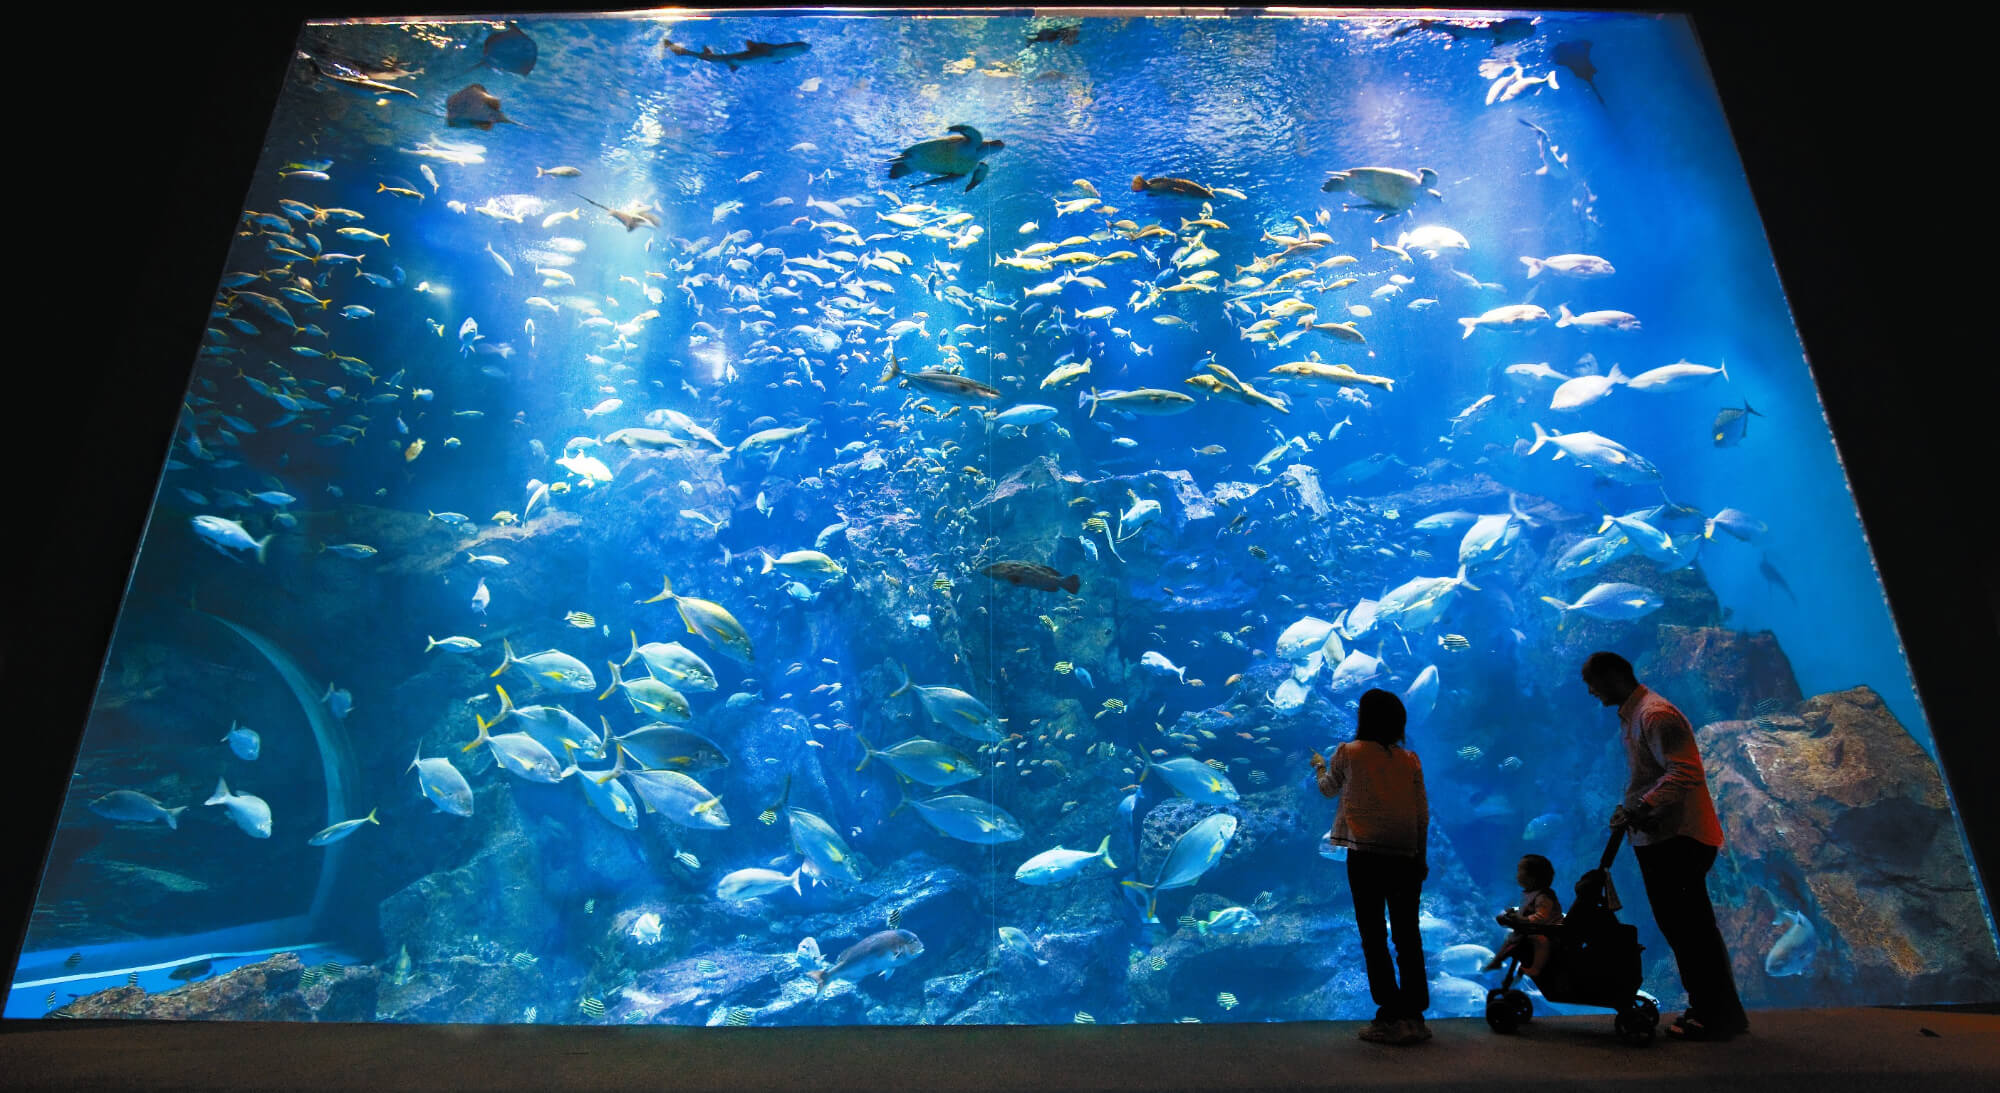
(135, 142)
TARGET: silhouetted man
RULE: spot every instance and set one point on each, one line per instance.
(1675, 837)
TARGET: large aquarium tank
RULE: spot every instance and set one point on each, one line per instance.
(678, 516)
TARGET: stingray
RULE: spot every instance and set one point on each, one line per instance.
(631, 220)
(509, 50)
(1575, 56)
(474, 107)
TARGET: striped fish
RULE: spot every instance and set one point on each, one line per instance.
(523, 961)
(1259, 777)
(132, 980)
(73, 960)
(592, 1007)
(1770, 706)
(707, 967)
(739, 1016)
(332, 968)
(1083, 1018)
(942, 583)
(895, 918)
(687, 859)
(1470, 753)
(1186, 920)
(590, 907)
(768, 816)
(1457, 643)
(50, 1001)
(582, 620)
(306, 978)
(1064, 667)
(1226, 1000)
(1187, 1020)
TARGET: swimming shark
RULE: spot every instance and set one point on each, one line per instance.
(753, 53)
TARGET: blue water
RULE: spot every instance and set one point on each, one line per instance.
(733, 331)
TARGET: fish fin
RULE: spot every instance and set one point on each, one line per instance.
(266, 540)
(902, 674)
(174, 817)
(667, 583)
(506, 658)
(221, 792)
(1104, 851)
(615, 681)
(867, 751)
(371, 818)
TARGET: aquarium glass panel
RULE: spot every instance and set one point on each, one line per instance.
(677, 517)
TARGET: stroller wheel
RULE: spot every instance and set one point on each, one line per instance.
(1637, 1021)
(1507, 1010)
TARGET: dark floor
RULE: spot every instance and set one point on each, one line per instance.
(1808, 1050)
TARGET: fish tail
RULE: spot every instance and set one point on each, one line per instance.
(666, 591)
(221, 792)
(867, 750)
(1469, 324)
(1563, 317)
(266, 540)
(483, 735)
(902, 674)
(1463, 581)
(1071, 583)
(1725, 371)
(174, 817)
(506, 703)
(1104, 851)
(1747, 408)
(615, 681)
(1557, 604)
(1534, 267)
(635, 646)
(419, 758)
(506, 657)
(1541, 437)
(796, 870)
(769, 564)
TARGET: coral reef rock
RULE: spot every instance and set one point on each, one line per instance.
(1837, 813)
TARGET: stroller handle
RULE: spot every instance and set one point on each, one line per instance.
(1611, 847)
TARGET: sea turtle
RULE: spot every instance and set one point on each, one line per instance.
(1387, 190)
(954, 156)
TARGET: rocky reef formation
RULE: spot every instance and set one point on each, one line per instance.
(278, 988)
(1836, 813)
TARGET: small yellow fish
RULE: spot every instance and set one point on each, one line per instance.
(415, 449)
(582, 620)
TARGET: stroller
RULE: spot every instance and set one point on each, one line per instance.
(1594, 961)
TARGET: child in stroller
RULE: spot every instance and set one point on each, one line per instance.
(1592, 960)
(1539, 905)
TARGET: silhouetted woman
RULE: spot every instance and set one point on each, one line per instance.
(1383, 820)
